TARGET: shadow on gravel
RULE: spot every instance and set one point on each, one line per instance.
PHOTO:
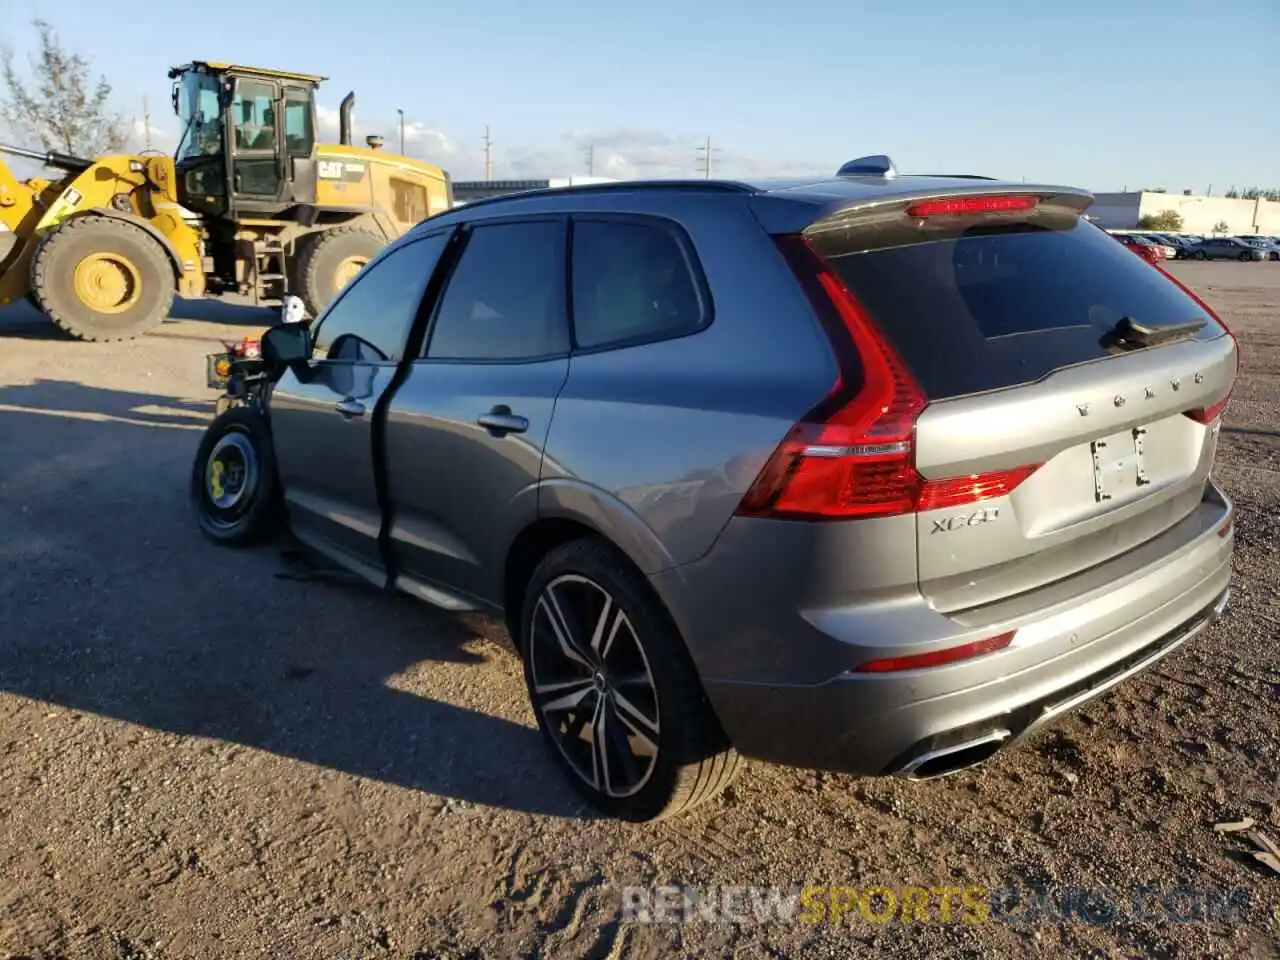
(66, 398)
(24, 322)
(112, 603)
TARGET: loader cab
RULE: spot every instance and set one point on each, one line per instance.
(248, 142)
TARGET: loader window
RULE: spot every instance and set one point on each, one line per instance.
(255, 171)
(200, 116)
(299, 137)
(254, 113)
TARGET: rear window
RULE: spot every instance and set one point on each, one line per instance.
(997, 307)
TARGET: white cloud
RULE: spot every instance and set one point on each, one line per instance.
(160, 138)
(625, 152)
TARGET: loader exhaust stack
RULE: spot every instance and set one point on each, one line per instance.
(344, 118)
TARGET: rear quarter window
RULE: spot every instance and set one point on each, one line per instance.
(633, 281)
(991, 308)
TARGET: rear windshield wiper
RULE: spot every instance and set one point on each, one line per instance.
(1128, 332)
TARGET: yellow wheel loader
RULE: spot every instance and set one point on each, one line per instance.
(250, 204)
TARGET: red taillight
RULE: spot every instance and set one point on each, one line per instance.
(936, 494)
(853, 455)
(1225, 530)
(954, 206)
(937, 658)
(1209, 310)
(1207, 415)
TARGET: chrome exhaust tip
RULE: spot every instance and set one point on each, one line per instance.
(960, 756)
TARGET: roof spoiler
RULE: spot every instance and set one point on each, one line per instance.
(780, 214)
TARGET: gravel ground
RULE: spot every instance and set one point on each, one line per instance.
(209, 754)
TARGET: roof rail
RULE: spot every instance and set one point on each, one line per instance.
(876, 165)
(955, 176)
(693, 186)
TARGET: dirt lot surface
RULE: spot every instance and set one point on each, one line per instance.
(204, 758)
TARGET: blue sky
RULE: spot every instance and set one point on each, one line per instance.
(1100, 94)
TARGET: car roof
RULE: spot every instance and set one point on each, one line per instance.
(810, 196)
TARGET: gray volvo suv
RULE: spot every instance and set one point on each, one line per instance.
(871, 473)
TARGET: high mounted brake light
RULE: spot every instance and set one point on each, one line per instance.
(854, 454)
(956, 206)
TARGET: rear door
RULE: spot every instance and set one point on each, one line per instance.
(466, 430)
(323, 429)
(1027, 337)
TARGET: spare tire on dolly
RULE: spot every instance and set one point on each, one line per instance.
(234, 486)
(99, 278)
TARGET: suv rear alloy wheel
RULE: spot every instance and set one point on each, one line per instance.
(614, 691)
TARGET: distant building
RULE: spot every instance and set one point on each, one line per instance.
(1121, 211)
(466, 191)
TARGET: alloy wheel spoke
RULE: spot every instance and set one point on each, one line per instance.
(620, 741)
(569, 694)
(600, 747)
(635, 716)
(550, 608)
(610, 621)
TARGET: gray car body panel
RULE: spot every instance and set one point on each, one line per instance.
(653, 446)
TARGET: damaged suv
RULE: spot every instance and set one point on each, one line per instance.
(870, 473)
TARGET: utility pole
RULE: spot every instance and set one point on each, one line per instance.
(707, 151)
(488, 156)
(146, 124)
(401, 112)
(591, 159)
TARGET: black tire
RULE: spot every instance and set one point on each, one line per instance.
(1200, 255)
(694, 760)
(259, 509)
(319, 261)
(146, 283)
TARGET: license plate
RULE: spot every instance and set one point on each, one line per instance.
(1119, 466)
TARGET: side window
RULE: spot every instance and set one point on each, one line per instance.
(253, 113)
(299, 137)
(371, 319)
(505, 300)
(631, 281)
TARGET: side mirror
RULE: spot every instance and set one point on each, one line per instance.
(288, 345)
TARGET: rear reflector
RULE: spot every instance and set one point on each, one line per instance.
(953, 206)
(853, 455)
(938, 658)
(1225, 530)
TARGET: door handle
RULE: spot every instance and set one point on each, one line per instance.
(350, 409)
(500, 421)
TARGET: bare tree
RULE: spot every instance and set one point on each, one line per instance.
(58, 106)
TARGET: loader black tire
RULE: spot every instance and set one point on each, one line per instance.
(326, 259)
(102, 279)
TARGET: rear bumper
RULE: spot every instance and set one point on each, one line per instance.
(920, 723)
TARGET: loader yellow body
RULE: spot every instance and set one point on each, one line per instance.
(251, 204)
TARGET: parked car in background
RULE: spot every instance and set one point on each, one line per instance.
(1268, 245)
(1225, 248)
(1151, 252)
(1177, 243)
(839, 475)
